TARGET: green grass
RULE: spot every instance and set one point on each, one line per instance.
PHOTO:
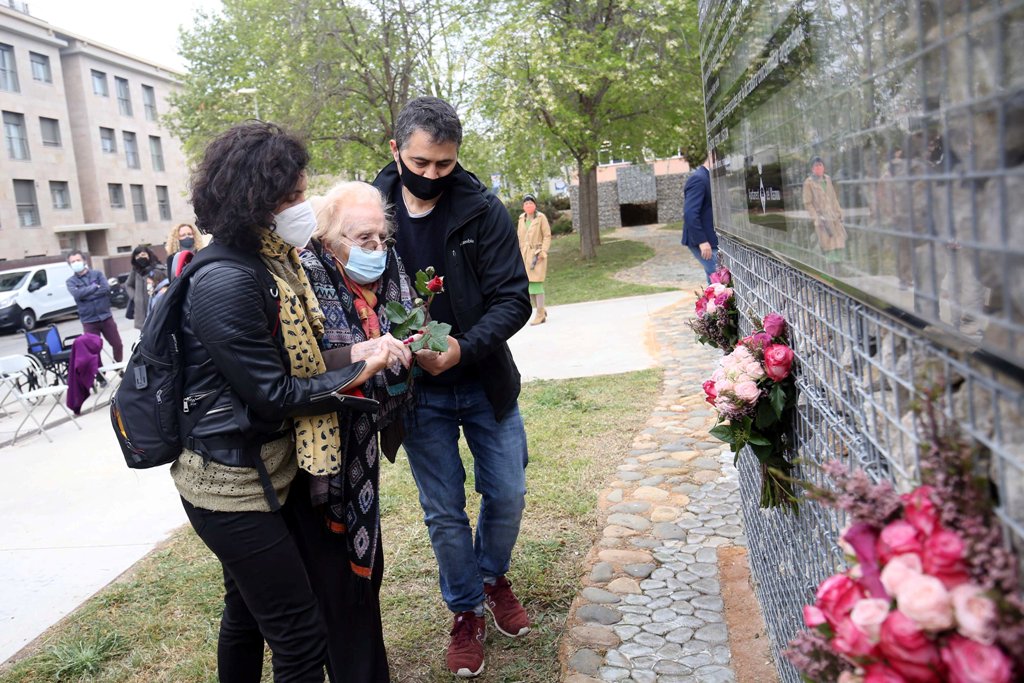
(571, 280)
(676, 227)
(160, 622)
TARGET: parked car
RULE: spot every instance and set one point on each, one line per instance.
(33, 293)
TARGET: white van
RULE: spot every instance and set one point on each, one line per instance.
(33, 293)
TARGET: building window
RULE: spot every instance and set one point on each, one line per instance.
(99, 83)
(14, 134)
(163, 202)
(25, 197)
(51, 131)
(8, 71)
(60, 194)
(40, 67)
(149, 102)
(139, 203)
(156, 151)
(131, 150)
(108, 143)
(124, 97)
(116, 192)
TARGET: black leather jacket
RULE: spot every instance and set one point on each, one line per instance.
(237, 376)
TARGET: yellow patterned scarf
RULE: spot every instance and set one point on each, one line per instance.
(317, 438)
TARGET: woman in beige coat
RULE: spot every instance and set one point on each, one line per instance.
(821, 202)
(534, 242)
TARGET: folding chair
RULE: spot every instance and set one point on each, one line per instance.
(27, 380)
(52, 351)
(12, 371)
(111, 374)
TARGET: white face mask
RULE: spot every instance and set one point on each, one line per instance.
(296, 224)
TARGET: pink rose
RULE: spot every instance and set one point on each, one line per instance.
(709, 292)
(778, 358)
(850, 677)
(813, 617)
(924, 599)
(975, 614)
(851, 640)
(748, 391)
(722, 275)
(971, 662)
(868, 615)
(710, 307)
(880, 673)
(720, 299)
(907, 650)
(898, 570)
(774, 325)
(862, 539)
(836, 597)
(709, 391)
(701, 307)
(919, 510)
(898, 538)
(943, 557)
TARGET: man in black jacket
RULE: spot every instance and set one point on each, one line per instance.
(447, 219)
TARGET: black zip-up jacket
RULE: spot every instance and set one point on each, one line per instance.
(484, 276)
(237, 372)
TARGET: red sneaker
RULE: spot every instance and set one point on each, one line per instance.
(509, 616)
(466, 648)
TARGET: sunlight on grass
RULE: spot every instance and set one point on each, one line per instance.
(571, 280)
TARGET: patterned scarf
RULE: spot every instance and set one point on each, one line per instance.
(317, 438)
(350, 498)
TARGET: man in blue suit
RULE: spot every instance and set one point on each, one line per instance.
(698, 219)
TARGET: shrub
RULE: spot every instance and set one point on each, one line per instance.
(562, 225)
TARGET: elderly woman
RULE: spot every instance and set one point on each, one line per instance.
(355, 273)
(266, 400)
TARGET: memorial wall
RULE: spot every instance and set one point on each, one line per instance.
(879, 145)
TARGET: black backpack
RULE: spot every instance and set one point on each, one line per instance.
(147, 411)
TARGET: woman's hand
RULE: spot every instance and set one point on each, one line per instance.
(376, 361)
(397, 351)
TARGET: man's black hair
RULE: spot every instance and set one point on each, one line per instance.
(433, 116)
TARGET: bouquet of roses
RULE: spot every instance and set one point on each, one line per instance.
(754, 392)
(407, 323)
(932, 592)
(717, 321)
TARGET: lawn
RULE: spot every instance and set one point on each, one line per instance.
(571, 280)
(159, 623)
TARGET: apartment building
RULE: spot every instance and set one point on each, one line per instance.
(86, 163)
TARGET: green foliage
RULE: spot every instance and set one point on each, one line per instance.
(81, 657)
(406, 323)
(561, 225)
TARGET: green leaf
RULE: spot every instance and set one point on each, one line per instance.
(778, 399)
(759, 440)
(396, 313)
(723, 433)
(766, 416)
(421, 283)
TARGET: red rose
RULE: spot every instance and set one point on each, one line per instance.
(709, 391)
(436, 285)
(919, 510)
(880, 673)
(774, 324)
(813, 617)
(972, 662)
(836, 597)
(907, 650)
(778, 359)
(898, 538)
(702, 305)
(943, 557)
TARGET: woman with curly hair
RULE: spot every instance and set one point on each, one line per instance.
(264, 417)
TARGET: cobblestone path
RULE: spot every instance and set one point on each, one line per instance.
(650, 609)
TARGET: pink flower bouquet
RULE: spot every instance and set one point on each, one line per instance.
(717, 321)
(754, 392)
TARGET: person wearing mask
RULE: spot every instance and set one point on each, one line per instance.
(355, 274)
(91, 293)
(182, 238)
(534, 241)
(447, 219)
(264, 418)
(146, 273)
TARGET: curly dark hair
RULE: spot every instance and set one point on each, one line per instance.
(245, 174)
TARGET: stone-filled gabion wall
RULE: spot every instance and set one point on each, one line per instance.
(635, 185)
(608, 215)
(670, 197)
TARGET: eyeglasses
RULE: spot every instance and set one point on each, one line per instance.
(372, 244)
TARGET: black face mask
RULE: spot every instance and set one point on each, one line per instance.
(425, 188)
(142, 262)
(187, 242)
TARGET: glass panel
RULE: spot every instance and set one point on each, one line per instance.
(25, 198)
(108, 143)
(139, 203)
(116, 192)
(156, 151)
(131, 150)
(8, 70)
(163, 201)
(40, 67)
(60, 194)
(149, 102)
(14, 136)
(50, 129)
(99, 83)
(124, 99)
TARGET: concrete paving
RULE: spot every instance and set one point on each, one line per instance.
(75, 517)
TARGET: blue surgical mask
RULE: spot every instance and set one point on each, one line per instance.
(364, 266)
(78, 266)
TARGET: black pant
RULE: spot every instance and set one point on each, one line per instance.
(267, 596)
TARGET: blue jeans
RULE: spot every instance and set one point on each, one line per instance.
(710, 264)
(499, 466)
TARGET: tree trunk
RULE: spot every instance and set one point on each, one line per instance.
(589, 225)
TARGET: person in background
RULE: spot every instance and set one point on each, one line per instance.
(146, 273)
(822, 204)
(91, 292)
(266, 399)
(183, 237)
(355, 274)
(447, 219)
(699, 234)
(534, 241)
